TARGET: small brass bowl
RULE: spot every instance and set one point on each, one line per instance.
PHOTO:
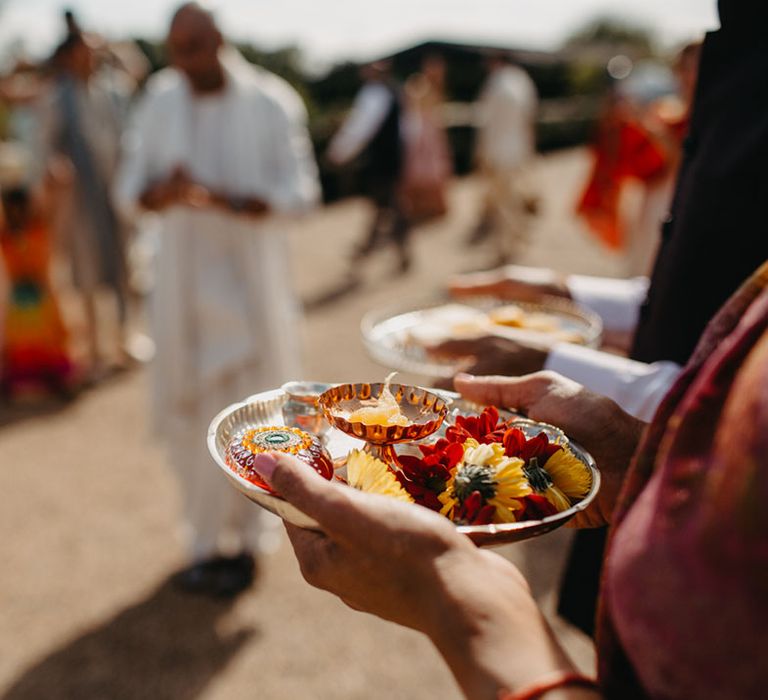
(424, 409)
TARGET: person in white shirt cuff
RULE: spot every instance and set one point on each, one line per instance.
(635, 386)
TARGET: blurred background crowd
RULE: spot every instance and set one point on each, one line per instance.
(457, 108)
(179, 217)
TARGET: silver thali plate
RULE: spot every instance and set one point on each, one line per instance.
(266, 409)
(388, 333)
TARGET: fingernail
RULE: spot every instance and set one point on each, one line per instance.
(464, 376)
(265, 464)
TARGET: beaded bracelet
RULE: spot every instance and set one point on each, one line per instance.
(560, 679)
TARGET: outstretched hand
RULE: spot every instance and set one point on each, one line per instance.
(594, 421)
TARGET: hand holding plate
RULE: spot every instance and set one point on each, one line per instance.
(596, 422)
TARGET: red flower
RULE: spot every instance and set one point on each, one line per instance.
(536, 507)
(484, 428)
(517, 445)
(474, 511)
(425, 477)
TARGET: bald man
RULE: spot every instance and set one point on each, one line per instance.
(219, 151)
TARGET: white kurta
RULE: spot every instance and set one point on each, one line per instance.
(223, 313)
(506, 111)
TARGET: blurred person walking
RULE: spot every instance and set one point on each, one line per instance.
(372, 134)
(219, 151)
(34, 352)
(506, 144)
(427, 162)
(82, 126)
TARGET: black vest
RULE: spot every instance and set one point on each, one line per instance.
(382, 158)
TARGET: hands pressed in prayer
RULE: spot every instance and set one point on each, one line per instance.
(181, 188)
(609, 434)
(177, 188)
(409, 565)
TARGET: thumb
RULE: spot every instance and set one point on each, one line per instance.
(504, 392)
(300, 485)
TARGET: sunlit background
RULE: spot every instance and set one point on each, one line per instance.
(331, 30)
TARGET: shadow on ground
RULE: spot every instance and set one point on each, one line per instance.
(50, 405)
(167, 647)
(18, 413)
(346, 286)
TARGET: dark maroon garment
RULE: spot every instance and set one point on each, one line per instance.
(684, 606)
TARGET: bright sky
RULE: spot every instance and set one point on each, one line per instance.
(331, 30)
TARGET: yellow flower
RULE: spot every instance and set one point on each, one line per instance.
(366, 473)
(511, 485)
(562, 480)
(499, 480)
(569, 473)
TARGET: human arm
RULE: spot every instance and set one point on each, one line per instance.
(637, 387)
(367, 114)
(143, 185)
(138, 183)
(409, 565)
(292, 186)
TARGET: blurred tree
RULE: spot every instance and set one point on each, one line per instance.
(613, 33)
(589, 48)
(285, 62)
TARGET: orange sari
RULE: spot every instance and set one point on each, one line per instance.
(622, 150)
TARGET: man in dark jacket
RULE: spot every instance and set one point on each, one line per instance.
(371, 134)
